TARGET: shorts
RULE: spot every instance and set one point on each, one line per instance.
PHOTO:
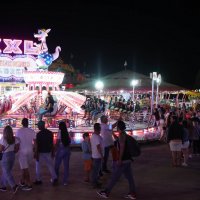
(25, 160)
(175, 145)
(88, 165)
(186, 145)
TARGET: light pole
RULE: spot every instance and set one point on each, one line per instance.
(134, 83)
(99, 86)
(153, 76)
(158, 81)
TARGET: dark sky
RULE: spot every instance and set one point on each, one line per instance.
(150, 36)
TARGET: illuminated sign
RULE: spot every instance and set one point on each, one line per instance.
(12, 68)
(8, 46)
(15, 57)
(43, 76)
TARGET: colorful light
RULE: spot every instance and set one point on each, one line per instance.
(12, 46)
(29, 48)
(31, 77)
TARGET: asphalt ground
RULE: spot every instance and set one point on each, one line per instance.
(154, 176)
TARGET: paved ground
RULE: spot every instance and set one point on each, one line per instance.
(155, 179)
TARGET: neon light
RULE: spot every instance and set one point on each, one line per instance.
(43, 77)
(13, 63)
(11, 68)
(12, 46)
(29, 48)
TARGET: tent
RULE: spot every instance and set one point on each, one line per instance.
(122, 81)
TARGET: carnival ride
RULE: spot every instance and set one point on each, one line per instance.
(26, 103)
(16, 105)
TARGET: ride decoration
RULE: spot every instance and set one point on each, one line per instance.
(43, 77)
(44, 58)
(5, 104)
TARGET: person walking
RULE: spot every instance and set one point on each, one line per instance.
(44, 152)
(97, 154)
(123, 167)
(63, 151)
(9, 145)
(27, 139)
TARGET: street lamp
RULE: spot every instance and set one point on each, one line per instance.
(134, 83)
(99, 86)
(153, 76)
(158, 81)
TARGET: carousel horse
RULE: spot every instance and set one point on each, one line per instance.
(45, 58)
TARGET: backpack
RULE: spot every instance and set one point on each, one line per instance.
(133, 146)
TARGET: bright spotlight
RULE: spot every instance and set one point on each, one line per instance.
(99, 85)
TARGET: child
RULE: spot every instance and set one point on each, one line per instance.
(87, 156)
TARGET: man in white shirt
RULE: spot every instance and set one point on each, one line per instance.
(97, 154)
(27, 138)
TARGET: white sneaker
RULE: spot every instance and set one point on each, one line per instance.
(130, 196)
(103, 194)
(184, 164)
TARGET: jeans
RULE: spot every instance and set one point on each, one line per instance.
(42, 112)
(7, 164)
(105, 158)
(95, 170)
(124, 168)
(47, 159)
(63, 154)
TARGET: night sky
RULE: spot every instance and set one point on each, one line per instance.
(98, 37)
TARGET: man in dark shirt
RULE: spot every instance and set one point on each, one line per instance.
(44, 149)
(123, 166)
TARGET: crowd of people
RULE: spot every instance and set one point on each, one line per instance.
(28, 145)
(40, 146)
(179, 128)
(182, 132)
(92, 107)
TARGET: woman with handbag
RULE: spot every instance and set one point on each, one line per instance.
(9, 145)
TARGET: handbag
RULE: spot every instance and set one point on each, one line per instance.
(1, 153)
